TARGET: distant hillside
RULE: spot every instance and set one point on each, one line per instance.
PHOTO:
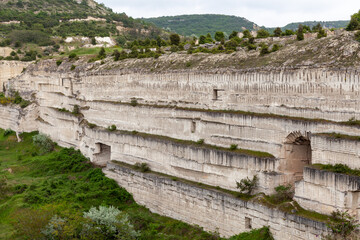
(201, 24)
(88, 7)
(327, 24)
(27, 21)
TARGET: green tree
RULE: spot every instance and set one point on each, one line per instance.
(219, 36)
(102, 53)
(231, 45)
(247, 34)
(306, 29)
(158, 41)
(93, 41)
(289, 32)
(175, 39)
(277, 32)
(262, 33)
(357, 36)
(233, 34)
(300, 33)
(247, 185)
(317, 28)
(354, 23)
(202, 39)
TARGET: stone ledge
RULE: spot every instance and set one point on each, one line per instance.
(211, 204)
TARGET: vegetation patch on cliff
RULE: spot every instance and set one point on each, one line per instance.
(14, 99)
(338, 168)
(335, 135)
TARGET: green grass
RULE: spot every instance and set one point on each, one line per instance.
(338, 168)
(340, 136)
(63, 182)
(93, 51)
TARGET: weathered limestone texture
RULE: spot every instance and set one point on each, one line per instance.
(304, 92)
(327, 150)
(288, 108)
(210, 166)
(210, 209)
(249, 131)
(10, 69)
(18, 119)
(5, 51)
(324, 192)
(196, 163)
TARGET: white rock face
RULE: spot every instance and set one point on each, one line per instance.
(325, 192)
(10, 69)
(210, 209)
(108, 41)
(5, 51)
(190, 106)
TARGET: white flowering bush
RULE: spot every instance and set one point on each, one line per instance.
(110, 222)
(54, 228)
(96, 224)
(43, 142)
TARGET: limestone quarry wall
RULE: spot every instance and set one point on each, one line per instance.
(18, 119)
(324, 192)
(327, 150)
(196, 163)
(10, 69)
(177, 105)
(210, 209)
(312, 93)
(304, 92)
(264, 133)
(201, 164)
(9, 117)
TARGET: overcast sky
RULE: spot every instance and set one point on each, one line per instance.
(263, 12)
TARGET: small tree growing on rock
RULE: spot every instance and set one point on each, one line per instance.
(175, 39)
(300, 33)
(342, 225)
(247, 185)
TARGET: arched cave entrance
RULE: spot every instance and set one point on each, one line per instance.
(296, 154)
(102, 154)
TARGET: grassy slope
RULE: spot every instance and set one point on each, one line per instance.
(93, 51)
(59, 6)
(64, 181)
